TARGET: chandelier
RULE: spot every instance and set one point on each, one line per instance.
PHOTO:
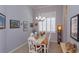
(39, 18)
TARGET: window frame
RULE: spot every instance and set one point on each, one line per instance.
(50, 25)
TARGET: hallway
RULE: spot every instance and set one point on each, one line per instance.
(39, 29)
(18, 22)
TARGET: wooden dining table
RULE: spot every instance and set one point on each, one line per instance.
(42, 40)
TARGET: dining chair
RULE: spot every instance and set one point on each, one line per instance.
(33, 47)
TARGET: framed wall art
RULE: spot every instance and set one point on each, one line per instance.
(25, 25)
(14, 24)
(2, 21)
(74, 27)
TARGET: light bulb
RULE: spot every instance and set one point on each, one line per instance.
(59, 28)
(39, 17)
(44, 18)
(36, 17)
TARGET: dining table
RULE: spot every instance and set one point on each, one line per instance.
(41, 40)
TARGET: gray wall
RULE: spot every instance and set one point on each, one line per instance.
(72, 10)
(2, 34)
(12, 38)
(59, 16)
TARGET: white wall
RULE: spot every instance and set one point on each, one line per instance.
(12, 38)
(2, 34)
(64, 21)
(72, 10)
(59, 16)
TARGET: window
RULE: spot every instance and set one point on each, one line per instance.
(47, 25)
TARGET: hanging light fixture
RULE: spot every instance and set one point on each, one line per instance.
(44, 18)
(36, 17)
(40, 18)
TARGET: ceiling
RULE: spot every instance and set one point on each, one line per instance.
(40, 6)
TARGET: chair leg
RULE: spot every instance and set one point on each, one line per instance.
(44, 48)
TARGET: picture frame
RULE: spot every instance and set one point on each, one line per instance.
(25, 25)
(14, 23)
(2, 21)
(31, 25)
(74, 27)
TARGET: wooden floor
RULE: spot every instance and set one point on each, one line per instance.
(53, 48)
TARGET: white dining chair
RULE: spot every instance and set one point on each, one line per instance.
(33, 47)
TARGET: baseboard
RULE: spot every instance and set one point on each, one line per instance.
(17, 47)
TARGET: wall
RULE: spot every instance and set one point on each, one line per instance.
(2, 34)
(64, 21)
(51, 8)
(15, 37)
(72, 10)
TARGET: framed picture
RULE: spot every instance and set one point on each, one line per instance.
(2, 21)
(31, 25)
(25, 25)
(74, 27)
(14, 24)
